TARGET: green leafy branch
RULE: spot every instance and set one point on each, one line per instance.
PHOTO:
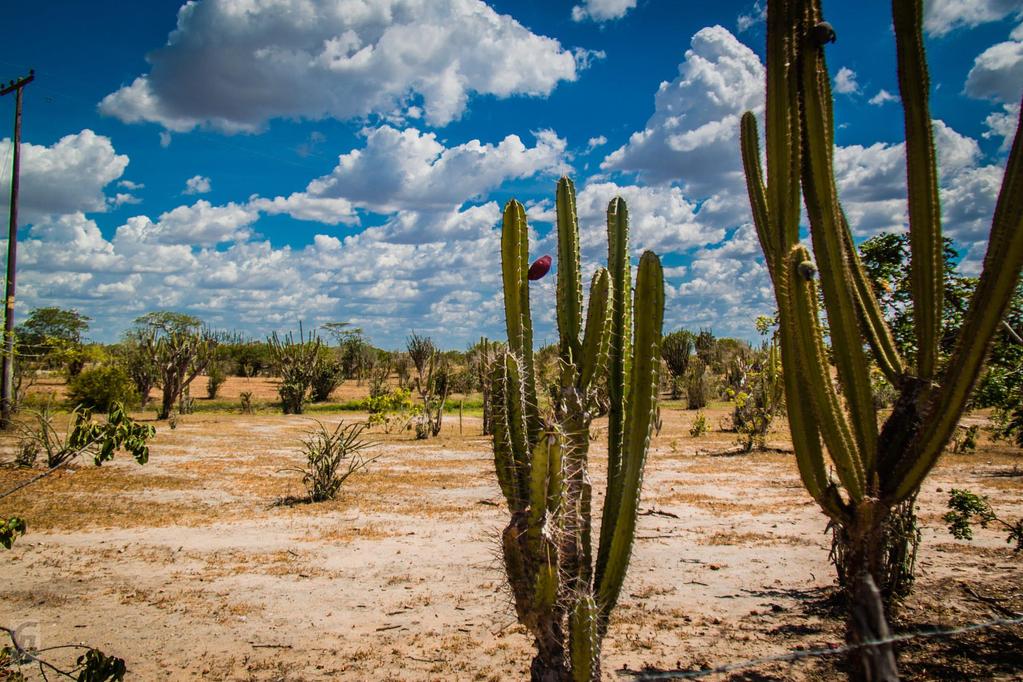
(92, 666)
(967, 508)
(87, 436)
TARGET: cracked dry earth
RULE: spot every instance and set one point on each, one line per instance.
(186, 569)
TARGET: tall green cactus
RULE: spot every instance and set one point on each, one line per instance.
(563, 594)
(876, 470)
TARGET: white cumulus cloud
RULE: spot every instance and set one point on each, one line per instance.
(66, 177)
(944, 16)
(235, 64)
(199, 224)
(693, 136)
(602, 10)
(197, 184)
(997, 72)
(882, 97)
(845, 82)
(412, 171)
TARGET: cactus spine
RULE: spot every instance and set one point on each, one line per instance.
(875, 470)
(563, 594)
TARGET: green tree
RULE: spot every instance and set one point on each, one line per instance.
(178, 347)
(886, 262)
(53, 337)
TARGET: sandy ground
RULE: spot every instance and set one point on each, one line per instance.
(185, 568)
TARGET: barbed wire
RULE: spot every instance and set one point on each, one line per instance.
(793, 656)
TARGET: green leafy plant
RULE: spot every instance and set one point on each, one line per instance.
(964, 439)
(758, 400)
(100, 440)
(10, 529)
(699, 426)
(967, 508)
(327, 375)
(51, 338)
(394, 411)
(85, 436)
(1008, 420)
(876, 469)
(216, 375)
(331, 457)
(99, 388)
(92, 666)
(563, 593)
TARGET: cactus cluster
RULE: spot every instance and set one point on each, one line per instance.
(876, 468)
(563, 593)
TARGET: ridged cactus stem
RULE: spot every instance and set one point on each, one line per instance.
(617, 375)
(876, 470)
(543, 472)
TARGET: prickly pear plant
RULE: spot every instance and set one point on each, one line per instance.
(876, 468)
(563, 593)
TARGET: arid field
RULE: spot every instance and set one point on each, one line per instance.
(191, 568)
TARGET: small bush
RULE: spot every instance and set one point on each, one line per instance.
(327, 376)
(699, 426)
(99, 388)
(28, 453)
(215, 379)
(964, 439)
(246, 402)
(1009, 423)
(331, 457)
(697, 387)
(393, 411)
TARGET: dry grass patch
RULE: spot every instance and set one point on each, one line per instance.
(744, 539)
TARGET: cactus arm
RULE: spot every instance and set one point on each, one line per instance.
(618, 267)
(595, 338)
(621, 283)
(782, 122)
(570, 295)
(827, 408)
(805, 436)
(872, 321)
(584, 640)
(1002, 264)
(504, 457)
(750, 146)
(926, 264)
(827, 225)
(518, 574)
(803, 427)
(545, 590)
(642, 404)
(538, 491)
(515, 270)
(514, 409)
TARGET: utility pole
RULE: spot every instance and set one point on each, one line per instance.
(7, 384)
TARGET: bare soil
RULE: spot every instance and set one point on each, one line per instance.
(187, 569)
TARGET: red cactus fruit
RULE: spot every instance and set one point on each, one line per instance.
(540, 267)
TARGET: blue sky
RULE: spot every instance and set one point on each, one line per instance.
(261, 162)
